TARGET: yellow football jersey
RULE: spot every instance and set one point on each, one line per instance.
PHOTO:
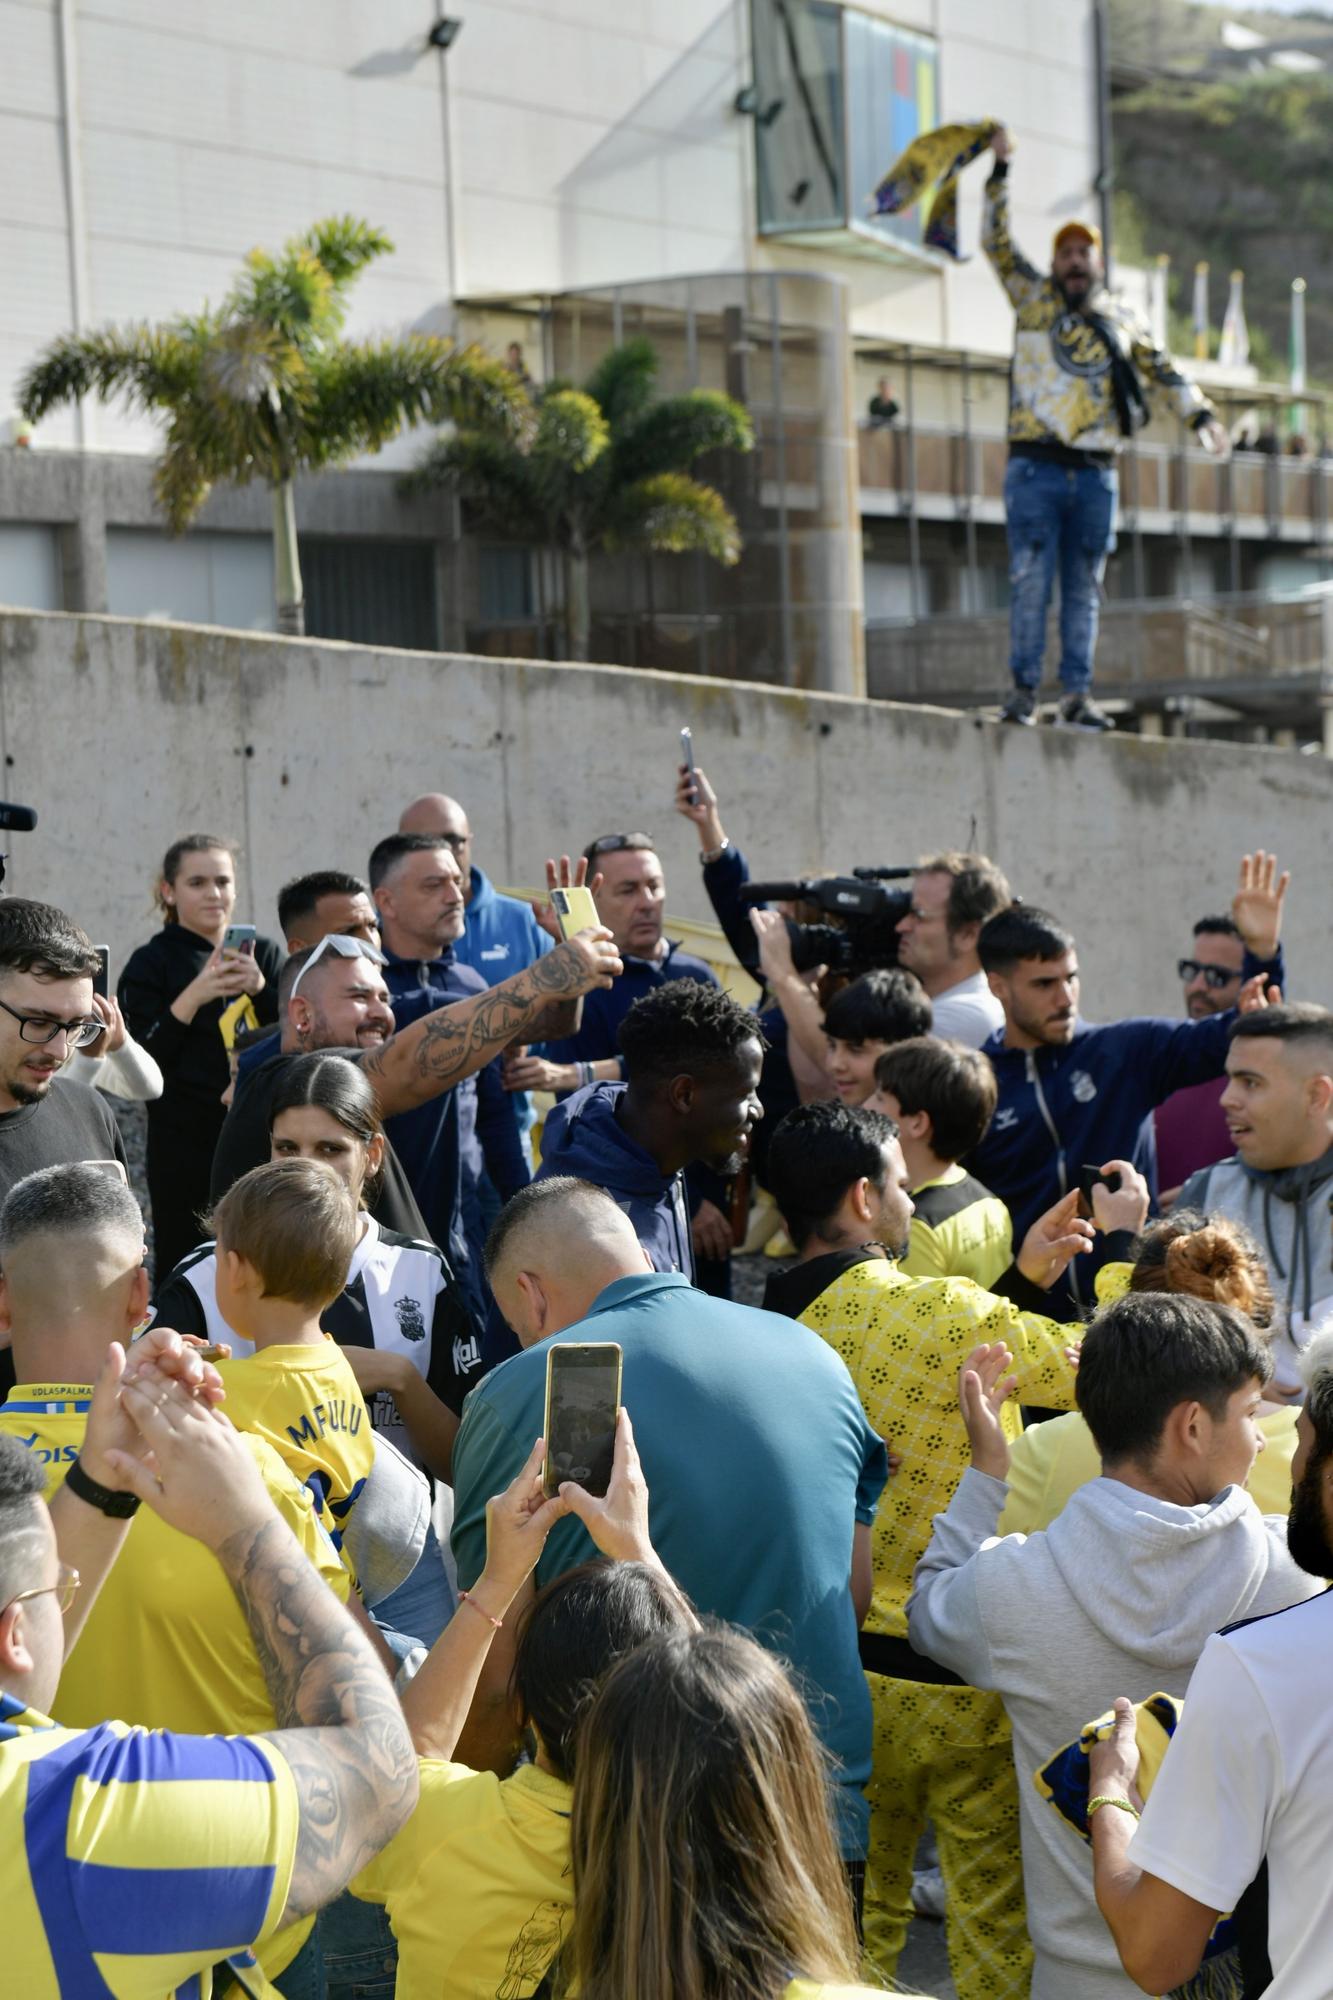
(305, 1402)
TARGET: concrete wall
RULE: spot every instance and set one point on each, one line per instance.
(123, 735)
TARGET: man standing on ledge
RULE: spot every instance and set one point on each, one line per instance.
(1075, 395)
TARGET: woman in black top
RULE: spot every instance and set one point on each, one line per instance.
(183, 1000)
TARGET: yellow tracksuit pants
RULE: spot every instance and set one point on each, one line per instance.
(943, 1754)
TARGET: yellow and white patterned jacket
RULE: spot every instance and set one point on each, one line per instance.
(905, 1341)
(1060, 386)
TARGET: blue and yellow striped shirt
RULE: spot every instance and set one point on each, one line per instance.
(136, 1860)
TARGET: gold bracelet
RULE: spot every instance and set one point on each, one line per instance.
(1107, 1799)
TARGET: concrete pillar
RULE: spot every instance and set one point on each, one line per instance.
(83, 577)
(1152, 723)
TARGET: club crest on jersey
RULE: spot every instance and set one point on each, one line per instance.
(410, 1322)
(1082, 1086)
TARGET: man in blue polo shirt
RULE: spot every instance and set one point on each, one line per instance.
(442, 1145)
(741, 1417)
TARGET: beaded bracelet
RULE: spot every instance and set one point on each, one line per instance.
(1106, 1800)
(466, 1597)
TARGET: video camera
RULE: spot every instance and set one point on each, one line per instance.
(865, 936)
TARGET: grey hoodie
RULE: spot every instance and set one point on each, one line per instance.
(1290, 1213)
(1116, 1597)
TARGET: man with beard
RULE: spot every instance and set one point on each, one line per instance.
(726, 1401)
(1278, 1104)
(1072, 1095)
(692, 1057)
(334, 997)
(941, 1748)
(1074, 397)
(1248, 1779)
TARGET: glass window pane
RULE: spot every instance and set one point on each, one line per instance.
(799, 118)
(892, 94)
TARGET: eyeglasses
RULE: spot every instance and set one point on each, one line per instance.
(63, 1588)
(1214, 976)
(41, 1028)
(345, 947)
(621, 843)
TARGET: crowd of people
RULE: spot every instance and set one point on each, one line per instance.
(979, 1571)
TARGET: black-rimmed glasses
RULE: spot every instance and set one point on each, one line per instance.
(41, 1028)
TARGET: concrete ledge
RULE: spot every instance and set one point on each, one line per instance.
(124, 735)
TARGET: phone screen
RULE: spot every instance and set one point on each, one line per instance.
(1088, 1179)
(576, 910)
(687, 750)
(582, 1398)
(102, 976)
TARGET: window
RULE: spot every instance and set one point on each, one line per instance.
(839, 94)
(376, 593)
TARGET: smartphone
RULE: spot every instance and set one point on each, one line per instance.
(108, 1167)
(1088, 1179)
(238, 941)
(102, 976)
(582, 1399)
(576, 910)
(687, 758)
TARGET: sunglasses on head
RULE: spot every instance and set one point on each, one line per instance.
(345, 947)
(1214, 976)
(620, 843)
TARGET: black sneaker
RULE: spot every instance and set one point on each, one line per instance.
(1079, 711)
(1020, 707)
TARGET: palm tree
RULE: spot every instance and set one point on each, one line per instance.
(602, 468)
(263, 386)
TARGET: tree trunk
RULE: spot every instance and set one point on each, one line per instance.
(287, 562)
(578, 613)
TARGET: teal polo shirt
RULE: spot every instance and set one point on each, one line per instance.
(758, 1458)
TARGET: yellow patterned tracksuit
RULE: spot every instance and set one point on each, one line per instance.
(1060, 386)
(942, 1751)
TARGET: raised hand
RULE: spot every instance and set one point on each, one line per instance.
(697, 801)
(517, 1524)
(113, 1033)
(618, 1523)
(198, 1473)
(590, 959)
(983, 1387)
(1256, 907)
(561, 874)
(1053, 1241)
(160, 1354)
(775, 957)
(1256, 994)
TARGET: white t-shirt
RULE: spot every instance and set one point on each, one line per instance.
(967, 1013)
(1249, 1775)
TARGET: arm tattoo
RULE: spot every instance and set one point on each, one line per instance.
(340, 1729)
(442, 1049)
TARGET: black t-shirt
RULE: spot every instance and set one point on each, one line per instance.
(71, 1122)
(244, 1143)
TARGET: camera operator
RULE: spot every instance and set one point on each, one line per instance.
(953, 895)
(843, 1040)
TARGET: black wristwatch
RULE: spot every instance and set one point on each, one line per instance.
(119, 1506)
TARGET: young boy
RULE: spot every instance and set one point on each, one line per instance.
(941, 1096)
(285, 1236)
(872, 1014)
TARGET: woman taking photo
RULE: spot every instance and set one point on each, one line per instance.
(182, 999)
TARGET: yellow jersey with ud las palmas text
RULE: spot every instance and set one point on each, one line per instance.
(136, 1861)
(305, 1401)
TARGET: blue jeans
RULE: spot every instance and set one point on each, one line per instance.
(352, 1954)
(421, 1606)
(1058, 517)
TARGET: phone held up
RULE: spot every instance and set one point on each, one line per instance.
(238, 941)
(687, 761)
(102, 976)
(1088, 1179)
(582, 1401)
(575, 910)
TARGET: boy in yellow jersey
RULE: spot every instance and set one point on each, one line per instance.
(166, 1644)
(941, 1096)
(285, 1236)
(941, 1749)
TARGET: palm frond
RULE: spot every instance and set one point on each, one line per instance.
(669, 436)
(674, 515)
(572, 432)
(150, 366)
(344, 245)
(500, 484)
(180, 484)
(622, 382)
(293, 294)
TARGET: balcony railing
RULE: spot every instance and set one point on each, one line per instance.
(1259, 656)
